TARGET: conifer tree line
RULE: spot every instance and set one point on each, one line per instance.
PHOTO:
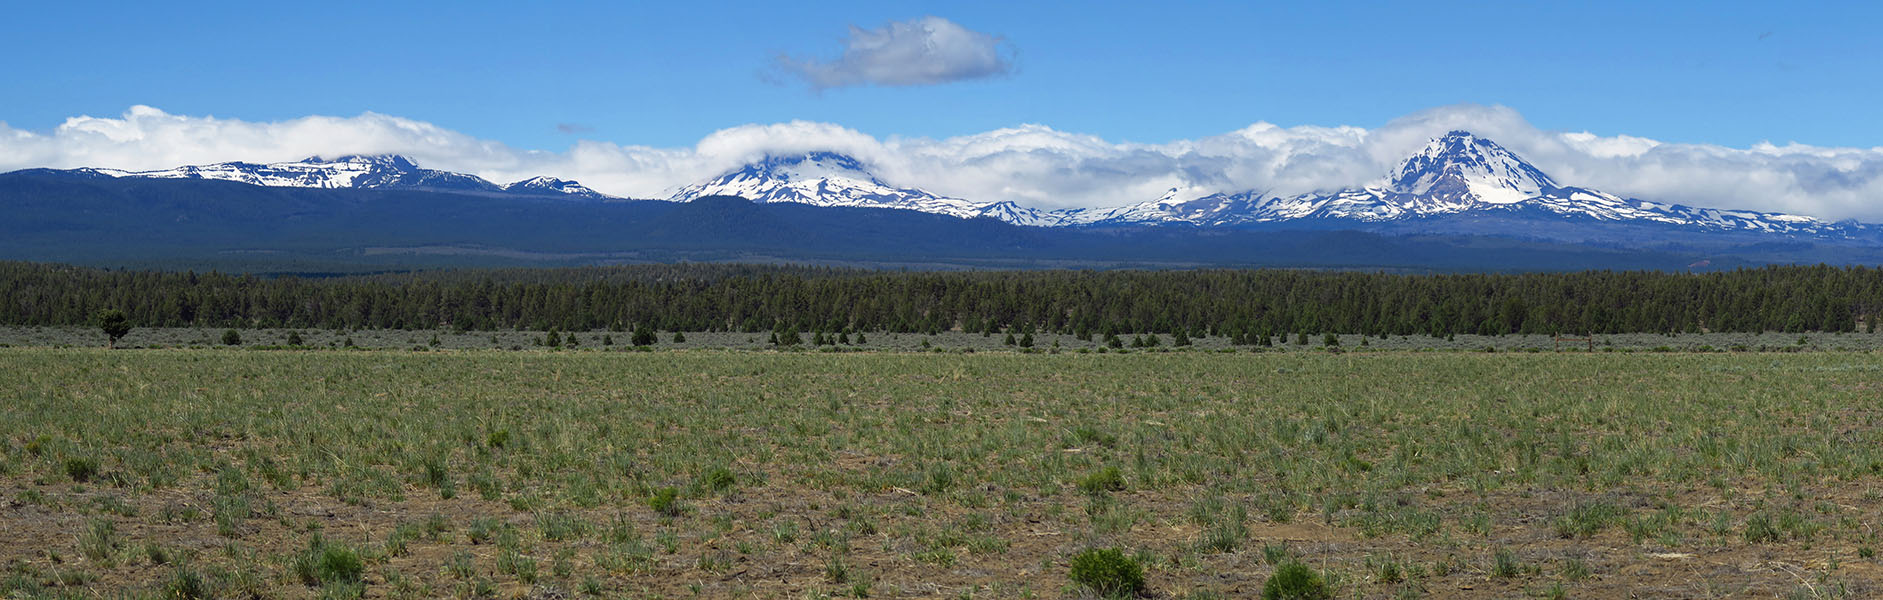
(1244, 304)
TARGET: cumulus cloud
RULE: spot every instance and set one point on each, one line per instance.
(1034, 165)
(925, 51)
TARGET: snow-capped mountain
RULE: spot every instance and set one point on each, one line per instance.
(355, 172)
(1458, 174)
(831, 179)
(1461, 171)
(550, 186)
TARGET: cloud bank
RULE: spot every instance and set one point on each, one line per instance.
(1033, 165)
(925, 51)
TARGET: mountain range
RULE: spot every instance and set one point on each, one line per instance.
(1462, 202)
(352, 172)
(1458, 174)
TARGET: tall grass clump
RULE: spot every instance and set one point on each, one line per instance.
(1108, 572)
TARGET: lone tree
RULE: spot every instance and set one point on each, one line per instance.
(644, 335)
(115, 324)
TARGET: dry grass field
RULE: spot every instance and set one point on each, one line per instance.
(743, 474)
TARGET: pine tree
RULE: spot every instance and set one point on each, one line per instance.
(115, 325)
(1026, 341)
(786, 336)
(644, 335)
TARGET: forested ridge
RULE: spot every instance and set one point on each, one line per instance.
(1241, 303)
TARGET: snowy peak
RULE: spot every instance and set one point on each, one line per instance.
(814, 165)
(795, 178)
(1459, 169)
(832, 179)
(551, 186)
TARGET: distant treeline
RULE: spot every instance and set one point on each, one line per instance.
(1239, 303)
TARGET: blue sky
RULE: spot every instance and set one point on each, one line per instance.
(666, 74)
(1722, 104)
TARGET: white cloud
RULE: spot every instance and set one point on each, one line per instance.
(1034, 165)
(924, 51)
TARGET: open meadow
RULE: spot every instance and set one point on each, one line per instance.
(757, 474)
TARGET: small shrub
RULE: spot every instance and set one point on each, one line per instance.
(1389, 571)
(327, 563)
(81, 469)
(37, 445)
(100, 540)
(1227, 531)
(187, 584)
(666, 501)
(1505, 564)
(231, 338)
(1574, 569)
(1108, 479)
(1759, 529)
(460, 565)
(518, 565)
(1108, 572)
(561, 526)
(1295, 581)
(1587, 519)
(835, 571)
(156, 554)
(483, 530)
(719, 479)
